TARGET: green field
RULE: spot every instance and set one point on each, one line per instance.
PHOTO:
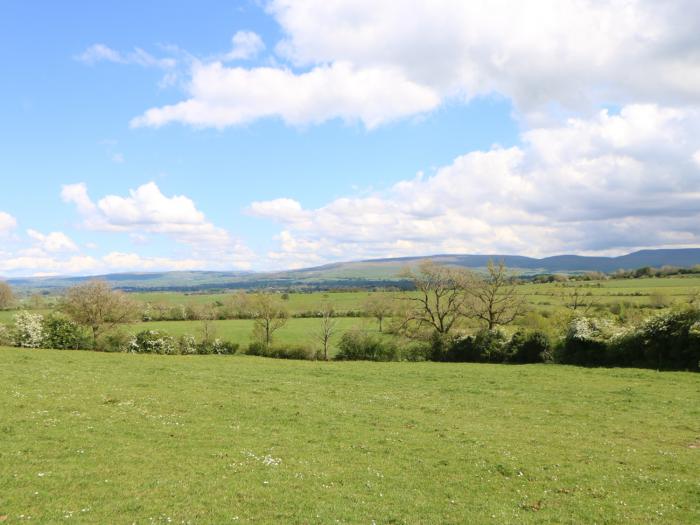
(296, 331)
(119, 438)
(636, 291)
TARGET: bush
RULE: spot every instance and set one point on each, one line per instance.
(362, 346)
(586, 342)
(491, 346)
(5, 335)
(667, 341)
(115, 342)
(152, 342)
(281, 351)
(187, 345)
(62, 333)
(28, 330)
(529, 347)
(217, 346)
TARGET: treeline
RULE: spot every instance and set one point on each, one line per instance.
(638, 273)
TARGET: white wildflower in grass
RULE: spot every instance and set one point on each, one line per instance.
(28, 330)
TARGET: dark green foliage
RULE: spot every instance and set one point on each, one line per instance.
(281, 351)
(669, 341)
(114, 342)
(528, 347)
(362, 346)
(62, 333)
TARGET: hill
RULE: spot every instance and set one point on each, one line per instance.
(376, 272)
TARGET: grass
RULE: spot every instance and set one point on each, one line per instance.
(296, 331)
(119, 438)
(636, 291)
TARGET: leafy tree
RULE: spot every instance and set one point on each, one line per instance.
(95, 305)
(269, 314)
(7, 296)
(378, 306)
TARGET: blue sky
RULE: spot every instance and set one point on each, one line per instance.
(262, 135)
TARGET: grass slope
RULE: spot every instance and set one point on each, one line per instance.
(102, 438)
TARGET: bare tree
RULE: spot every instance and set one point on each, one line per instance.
(95, 305)
(327, 329)
(440, 301)
(207, 328)
(378, 306)
(576, 301)
(493, 299)
(7, 296)
(269, 314)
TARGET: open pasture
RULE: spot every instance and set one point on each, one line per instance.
(114, 438)
(610, 291)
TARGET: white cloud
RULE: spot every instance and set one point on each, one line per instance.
(102, 53)
(78, 195)
(53, 242)
(118, 158)
(147, 211)
(222, 96)
(606, 184)
(376, 61)
(245, 45)
(42, 265)
(7, 223)
(696, 158)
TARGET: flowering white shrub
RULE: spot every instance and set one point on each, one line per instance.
(188, 345)
(29, 330)
(5, 336)
(588, 329)
(152, 342)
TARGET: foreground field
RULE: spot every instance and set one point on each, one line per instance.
(115, 438)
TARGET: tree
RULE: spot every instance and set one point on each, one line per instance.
(577, 302)
(269, 314)
(493, 299)
(378, 306)
(95, 305)
(327, 328)
(207, 328)
(441, 298)
(7, 296)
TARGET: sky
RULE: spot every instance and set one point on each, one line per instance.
(262, 135)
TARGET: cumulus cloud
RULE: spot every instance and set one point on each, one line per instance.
(43, 265)
(146, 210)
(245, 45)
(610, 183)
(376, 61)
(221, 96)
(7, 223)
(53, 242)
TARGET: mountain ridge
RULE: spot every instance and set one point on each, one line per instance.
(368, 271)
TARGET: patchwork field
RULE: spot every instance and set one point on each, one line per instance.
(118, 438)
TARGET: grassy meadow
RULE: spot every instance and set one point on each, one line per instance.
(118, 438)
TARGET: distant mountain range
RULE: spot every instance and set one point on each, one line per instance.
(374, 272)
